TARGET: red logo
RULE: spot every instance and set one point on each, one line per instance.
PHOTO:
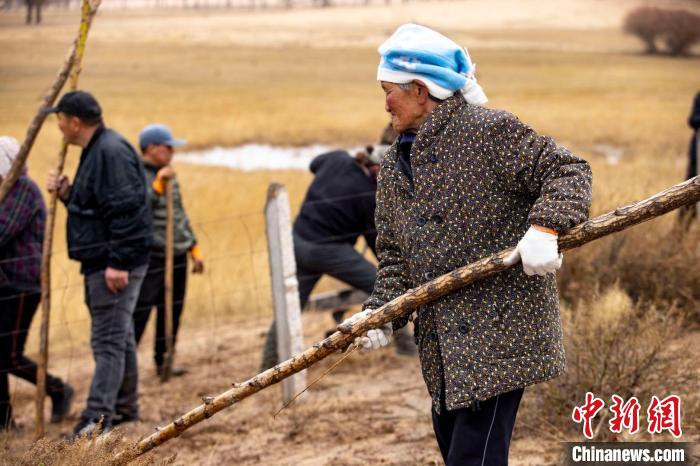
(624, 415)
(662, 415)
(665, 415)
(587, 412)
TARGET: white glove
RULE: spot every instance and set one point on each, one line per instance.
(373, 339)
(538, 252)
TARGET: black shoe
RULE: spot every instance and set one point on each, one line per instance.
(9, 426)
(406, 347)
(338, 315)
(123, 419)
(61, 403)
(91, 428)
(174, 371)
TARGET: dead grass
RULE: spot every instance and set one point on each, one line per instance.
(615, 346)
(214, 84)
(82, 452)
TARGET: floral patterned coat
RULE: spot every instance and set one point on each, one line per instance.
(480, 179)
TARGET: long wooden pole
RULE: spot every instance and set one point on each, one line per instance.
(169, 263)
(681, 194)
(87, 13)
(48, 100)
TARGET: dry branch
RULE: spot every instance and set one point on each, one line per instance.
(624, 217)
(74, 63)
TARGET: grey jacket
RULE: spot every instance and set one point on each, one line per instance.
(480, 179)
(184, 236)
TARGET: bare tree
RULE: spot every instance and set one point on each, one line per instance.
(679, 30)
(644, 23)
(682, 31)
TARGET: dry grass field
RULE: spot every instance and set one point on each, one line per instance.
(307, 76)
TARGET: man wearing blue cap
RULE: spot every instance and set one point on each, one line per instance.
(109, 233)
(463, 182)
(157, 148)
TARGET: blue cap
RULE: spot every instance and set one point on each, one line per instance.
(158, 134)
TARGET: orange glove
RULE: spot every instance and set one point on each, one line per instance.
(196, 255)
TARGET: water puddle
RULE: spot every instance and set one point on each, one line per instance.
(252, 157)
(613, 154)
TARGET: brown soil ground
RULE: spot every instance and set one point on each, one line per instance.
(372, 409)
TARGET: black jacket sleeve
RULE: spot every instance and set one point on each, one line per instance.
(122, 198)
(694, 118)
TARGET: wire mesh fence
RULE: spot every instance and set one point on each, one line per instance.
(232, 296)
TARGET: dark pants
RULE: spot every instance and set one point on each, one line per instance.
(17, 309)
(339, 260)
(478, 435)
(115, 382)
(34, 5)
(313, 260)
(153, 294)
(688, 213)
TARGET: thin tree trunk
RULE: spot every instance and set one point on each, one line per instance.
(169, 261)
(624, 217)
(87, 13)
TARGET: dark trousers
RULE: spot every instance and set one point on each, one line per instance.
(17, 309)
(478, 435)
(688, 213)
(339, 260)
(114, 387)
(153, 294)
(34, 5)
(313, 260)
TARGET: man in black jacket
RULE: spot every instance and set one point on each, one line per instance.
(109, 233)
(338, 208)
(690, 212)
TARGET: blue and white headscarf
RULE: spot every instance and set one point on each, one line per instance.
(416, 52)
(9, 148)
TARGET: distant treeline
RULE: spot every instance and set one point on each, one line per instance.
(245, 4)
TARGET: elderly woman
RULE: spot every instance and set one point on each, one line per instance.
(460, 183)
(22, 216)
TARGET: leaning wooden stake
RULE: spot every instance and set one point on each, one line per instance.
(619, 219)
(169, 262)
(75, 59)
(49, 98)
